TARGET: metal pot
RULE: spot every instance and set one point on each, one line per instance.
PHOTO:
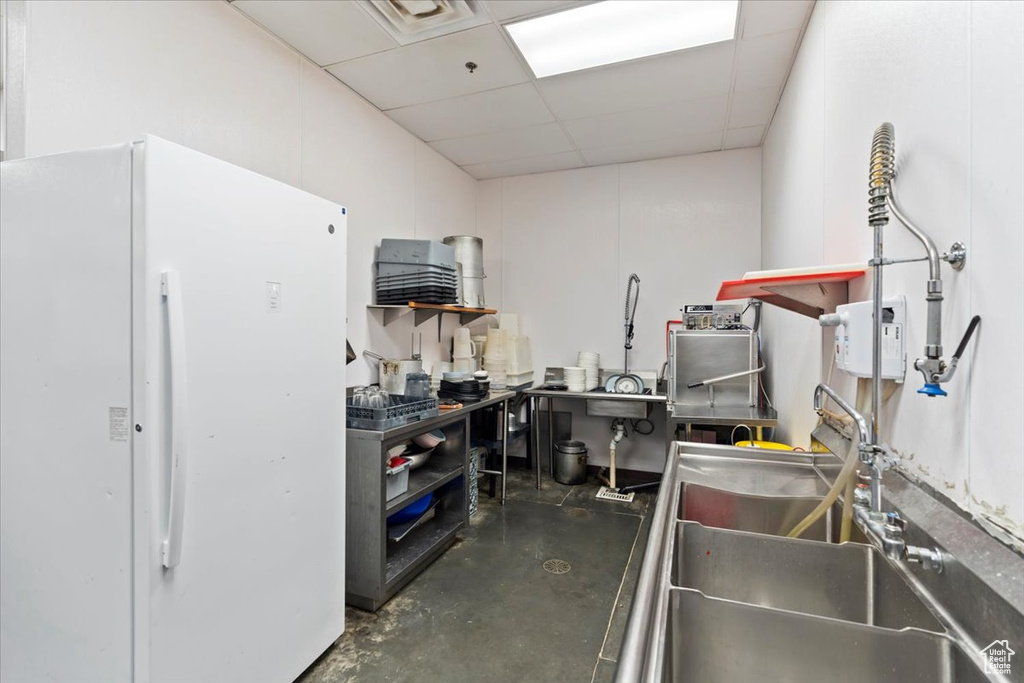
(469, 251)
(571, 462)
(393, 372)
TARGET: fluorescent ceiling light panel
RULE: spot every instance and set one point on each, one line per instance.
(619, 30)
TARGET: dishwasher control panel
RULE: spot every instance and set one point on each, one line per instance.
(711, 317)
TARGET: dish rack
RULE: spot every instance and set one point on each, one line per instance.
(402, 411)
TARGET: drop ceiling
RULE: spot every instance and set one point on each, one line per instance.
(499, 120)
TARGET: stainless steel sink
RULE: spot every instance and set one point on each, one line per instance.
(749, 490)
(754, 490)
(723, 596)
(713, 640)
(852, 582)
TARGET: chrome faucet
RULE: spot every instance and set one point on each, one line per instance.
(885, 529)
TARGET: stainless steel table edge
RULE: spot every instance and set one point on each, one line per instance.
(535, 395)
(445, 417)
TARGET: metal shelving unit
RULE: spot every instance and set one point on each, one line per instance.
(377, 568)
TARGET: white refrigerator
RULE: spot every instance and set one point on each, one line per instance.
(172, 419)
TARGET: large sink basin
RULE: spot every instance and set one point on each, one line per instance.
(724, 596)
(852, 582)
(713, 640)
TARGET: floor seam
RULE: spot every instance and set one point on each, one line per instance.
(618, 593)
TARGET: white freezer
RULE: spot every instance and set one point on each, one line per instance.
(172, 437)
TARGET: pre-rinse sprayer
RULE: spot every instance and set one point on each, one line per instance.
(629, 315)
(881, 201)
(886, 529)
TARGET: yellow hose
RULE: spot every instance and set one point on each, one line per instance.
(833, 493)
(847, 525)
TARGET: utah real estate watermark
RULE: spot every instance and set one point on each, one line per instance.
(997, 657)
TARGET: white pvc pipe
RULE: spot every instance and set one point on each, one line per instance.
(611, 476)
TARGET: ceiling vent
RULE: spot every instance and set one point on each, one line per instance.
(409, 21)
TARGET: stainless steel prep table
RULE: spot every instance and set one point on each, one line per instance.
(536, 395)
(445, 417)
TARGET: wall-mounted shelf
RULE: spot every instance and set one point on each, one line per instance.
(425, 312)
(808, 291)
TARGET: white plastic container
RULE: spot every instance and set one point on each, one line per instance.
(397, 479)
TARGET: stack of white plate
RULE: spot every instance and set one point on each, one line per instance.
(591, 362)
(575, 378)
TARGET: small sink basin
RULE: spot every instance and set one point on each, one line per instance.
(852, 582)
(713, 640)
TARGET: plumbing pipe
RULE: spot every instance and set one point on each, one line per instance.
(668, 330)
(620, 434)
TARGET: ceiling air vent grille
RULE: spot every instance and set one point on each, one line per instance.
(409, 21)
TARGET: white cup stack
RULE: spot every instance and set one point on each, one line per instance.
(590, 362)
(575, 378)
(495, 360)
(436, 374)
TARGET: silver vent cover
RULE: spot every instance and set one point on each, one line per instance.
(409, 21)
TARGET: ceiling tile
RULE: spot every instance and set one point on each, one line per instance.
(503, 10)
(433, 69)
(764, 62)
(619, 154)
(541, 164)
(761, 17)
(743, 137)
(753, 108)
(655, 123)
(686, 75)
(531, 141)
(513, 107)
(326, 31)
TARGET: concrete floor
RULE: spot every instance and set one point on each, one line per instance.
(487, 610)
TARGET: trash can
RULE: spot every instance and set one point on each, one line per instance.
(570, 462)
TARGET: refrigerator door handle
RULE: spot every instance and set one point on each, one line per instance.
(170, 286)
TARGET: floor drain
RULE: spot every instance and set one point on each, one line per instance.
(557, 567)
(611, 494)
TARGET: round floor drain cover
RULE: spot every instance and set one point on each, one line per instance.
(557, 567)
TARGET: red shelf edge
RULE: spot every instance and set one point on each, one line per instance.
(755, 287)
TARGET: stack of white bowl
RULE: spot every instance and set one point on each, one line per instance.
(575, 378)
(495, 358)
(591, 362)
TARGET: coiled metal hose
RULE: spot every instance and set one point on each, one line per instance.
(882, 171)
(630, 314)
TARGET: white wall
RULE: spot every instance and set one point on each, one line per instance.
(568, 241)
(950, 77)
(201, 74)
